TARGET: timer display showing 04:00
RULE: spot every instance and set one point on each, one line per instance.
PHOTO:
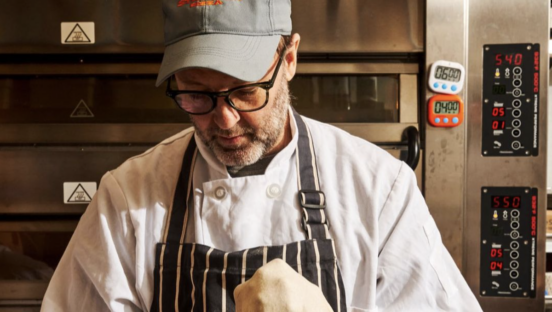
(446, 107)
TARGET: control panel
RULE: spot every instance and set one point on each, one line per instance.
(510, 99)
(508, 264)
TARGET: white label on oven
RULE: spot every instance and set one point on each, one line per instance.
(77, 33)
(78, 192)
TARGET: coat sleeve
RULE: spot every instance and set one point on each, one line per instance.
(415, 270)
(97, 270)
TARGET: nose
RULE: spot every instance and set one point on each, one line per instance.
(226, 117)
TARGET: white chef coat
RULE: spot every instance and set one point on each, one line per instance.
(388, 246)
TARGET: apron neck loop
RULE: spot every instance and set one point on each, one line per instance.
(178, 213)
(311, 198)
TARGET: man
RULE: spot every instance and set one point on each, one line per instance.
(256, 208)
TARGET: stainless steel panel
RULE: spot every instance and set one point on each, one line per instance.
(20, 305)
(359, 26)
(85, 67)
(444, 147)
(22, 290)
(80, 68)
(357, 68)
(376, 132)
(38, 226)
(31, 180)
(120, 26)
(21, 134)
(408, 99)
(496, 22)
(354, 26)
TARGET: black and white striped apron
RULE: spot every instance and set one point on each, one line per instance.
(194, 277)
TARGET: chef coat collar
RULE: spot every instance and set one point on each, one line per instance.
(283, 156)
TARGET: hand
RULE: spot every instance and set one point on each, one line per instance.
(277, 287)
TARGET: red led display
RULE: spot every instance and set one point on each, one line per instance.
(496, 253)
(516, 59)
(498, 112)
(505, 201)
(496, 265)
(498, 124)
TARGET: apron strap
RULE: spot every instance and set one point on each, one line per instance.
(311, 199)
(178, 214)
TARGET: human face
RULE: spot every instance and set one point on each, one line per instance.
(239, 138)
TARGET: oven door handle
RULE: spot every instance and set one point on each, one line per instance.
(412, 138)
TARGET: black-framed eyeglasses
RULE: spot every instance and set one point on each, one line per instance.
(246, 98)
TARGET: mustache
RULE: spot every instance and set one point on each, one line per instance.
(236, 131)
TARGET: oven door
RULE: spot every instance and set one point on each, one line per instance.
(375, 101)
(30, 249)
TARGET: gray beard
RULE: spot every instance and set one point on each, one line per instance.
(261, 140)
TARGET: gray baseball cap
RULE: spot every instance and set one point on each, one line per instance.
(236, 37)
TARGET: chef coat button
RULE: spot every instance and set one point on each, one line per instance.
(273, 191)
(220, 192)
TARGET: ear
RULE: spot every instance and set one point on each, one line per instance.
(291, 57)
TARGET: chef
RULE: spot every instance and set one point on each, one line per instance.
(255, 208)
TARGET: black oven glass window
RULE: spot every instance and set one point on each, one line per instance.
(31, 256)
(351, 98)
(86, 99)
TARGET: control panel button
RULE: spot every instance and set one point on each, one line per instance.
(516, 103)
(516, 92)
(516, 123)
(517, 70)
(436, 85)
(516, 133)
(445, 120)
(514, 274)
(514, 264)
(454, 88)
(455, 120)
(514, 234)
(516, 83)
(516, 113)
(514, 286)
(514, 254)
(514, 245)
(516, 145)
(437, 120)
(444, 86)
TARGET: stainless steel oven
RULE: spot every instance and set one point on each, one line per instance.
(77, 98)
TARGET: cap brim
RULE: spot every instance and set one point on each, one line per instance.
(246, 58)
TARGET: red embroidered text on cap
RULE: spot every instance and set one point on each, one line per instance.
(196, 3)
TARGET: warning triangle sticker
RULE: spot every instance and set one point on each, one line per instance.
(77, 35)
(79, 195)
(82, 111)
